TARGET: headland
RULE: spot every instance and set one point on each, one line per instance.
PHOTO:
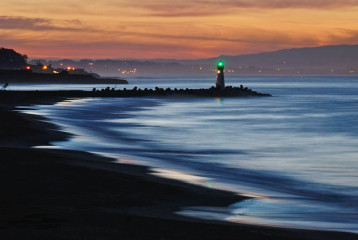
(27, 76)
(14, 68)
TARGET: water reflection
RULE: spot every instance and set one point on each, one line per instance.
(296, 152)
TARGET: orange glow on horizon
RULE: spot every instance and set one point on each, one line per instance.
(137, 29)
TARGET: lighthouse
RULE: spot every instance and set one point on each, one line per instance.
(220, 82)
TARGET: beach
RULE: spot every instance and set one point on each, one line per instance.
(63, 194)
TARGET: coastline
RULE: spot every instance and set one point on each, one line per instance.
(27, 76)
(63, 194)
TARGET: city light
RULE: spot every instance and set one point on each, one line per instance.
(133, 71)
(44, 67)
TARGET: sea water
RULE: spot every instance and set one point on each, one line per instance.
(295, 154)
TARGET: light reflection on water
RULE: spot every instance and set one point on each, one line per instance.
(298, 149)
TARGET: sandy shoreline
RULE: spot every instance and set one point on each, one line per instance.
(59, 194)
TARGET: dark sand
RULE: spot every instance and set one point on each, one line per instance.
(58, 194)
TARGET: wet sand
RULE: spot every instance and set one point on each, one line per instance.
(59, 194)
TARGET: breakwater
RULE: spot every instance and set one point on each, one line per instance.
(202, 92)
(135, 92)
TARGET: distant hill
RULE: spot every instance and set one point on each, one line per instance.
(327, 60)
(10, 59)
(321, 60)
(337, 54)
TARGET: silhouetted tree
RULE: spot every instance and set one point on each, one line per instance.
(9, 59)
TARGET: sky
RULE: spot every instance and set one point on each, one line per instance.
(181, 29)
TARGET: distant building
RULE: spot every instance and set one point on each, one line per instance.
(220, 82)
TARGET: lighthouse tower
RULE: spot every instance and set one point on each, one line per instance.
(220, 82)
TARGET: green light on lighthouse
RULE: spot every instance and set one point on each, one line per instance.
(220, 82)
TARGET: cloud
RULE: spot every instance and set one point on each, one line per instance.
(189, 8)
(246, 36)
(130, 39)
(38, 24)
(44, 24)
(250, 26)
(293, 3)
(172, 47)
(346, 36)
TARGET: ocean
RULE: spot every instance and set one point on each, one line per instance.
(295, 153)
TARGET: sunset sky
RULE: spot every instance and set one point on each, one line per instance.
(173, 29)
